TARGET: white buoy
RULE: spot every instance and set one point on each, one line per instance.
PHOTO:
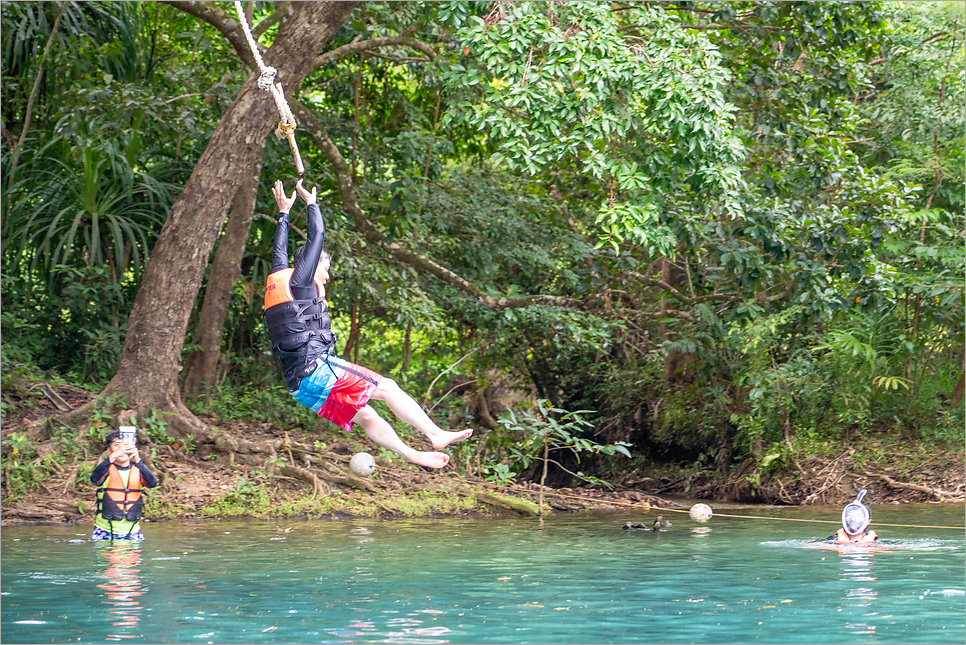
(362, 464)
(700, 513)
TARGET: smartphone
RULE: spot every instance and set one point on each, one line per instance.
(128, 434)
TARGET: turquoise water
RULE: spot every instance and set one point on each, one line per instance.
(571, 579)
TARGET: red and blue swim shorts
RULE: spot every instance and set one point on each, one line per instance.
(337, 389)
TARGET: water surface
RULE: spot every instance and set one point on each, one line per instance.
(572, 579)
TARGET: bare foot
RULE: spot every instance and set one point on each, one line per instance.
(429, 459)
(444, 438)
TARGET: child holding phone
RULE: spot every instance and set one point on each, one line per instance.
(120, 479)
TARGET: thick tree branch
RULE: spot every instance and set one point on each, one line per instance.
(281, 9)
(362, 45)
(734, 25)
(229, 27)
(351, 206)
(402, 59)
(685, 300)
(271, 219)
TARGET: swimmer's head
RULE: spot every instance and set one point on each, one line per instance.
(856, 517)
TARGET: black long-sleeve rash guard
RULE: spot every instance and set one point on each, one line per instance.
(303, 273)
(100, 472)
(302, 334)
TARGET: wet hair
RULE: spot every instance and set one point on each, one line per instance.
(111, 436)
(299, 251)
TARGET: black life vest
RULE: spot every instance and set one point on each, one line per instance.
(300, 330)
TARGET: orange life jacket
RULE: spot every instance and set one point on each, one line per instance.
(841, 537)
(120, 502)
(278, 289)
(300, 330)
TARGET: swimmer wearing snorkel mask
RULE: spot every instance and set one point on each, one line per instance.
(855, 524)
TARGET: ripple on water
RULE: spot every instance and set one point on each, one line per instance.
(881, 545)
(569, 579)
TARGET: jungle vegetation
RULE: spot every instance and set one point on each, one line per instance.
(726, 232)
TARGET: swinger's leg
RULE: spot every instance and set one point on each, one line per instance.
(382, 433)
(406, 408)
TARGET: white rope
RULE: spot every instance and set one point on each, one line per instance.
(288, 122)
(266, 80)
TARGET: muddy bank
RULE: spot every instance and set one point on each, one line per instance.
(262, 470)
(907, 475)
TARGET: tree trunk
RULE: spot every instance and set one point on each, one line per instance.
(202, 366)
(148, 372)
(675, 363)
(350, 342)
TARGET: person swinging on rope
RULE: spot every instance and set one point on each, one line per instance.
(297, 319)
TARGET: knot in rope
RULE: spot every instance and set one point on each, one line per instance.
(266, 83)
(284, 129)
(266, 79)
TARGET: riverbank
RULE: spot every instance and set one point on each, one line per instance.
(262, 470)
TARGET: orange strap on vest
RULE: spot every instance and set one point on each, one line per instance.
(123, 496)
(841, 537)
(278, 289)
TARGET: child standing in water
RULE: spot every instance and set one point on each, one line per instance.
(120, 479)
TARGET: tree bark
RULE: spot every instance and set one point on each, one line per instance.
(202, 366)
(675, 363)
(148, 371)
(350, 342)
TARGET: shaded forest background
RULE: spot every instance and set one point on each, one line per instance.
(730, 232)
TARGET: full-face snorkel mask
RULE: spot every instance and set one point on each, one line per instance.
(856, 517)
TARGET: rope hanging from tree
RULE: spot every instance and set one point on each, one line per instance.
(266, 82)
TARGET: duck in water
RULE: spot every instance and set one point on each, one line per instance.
(644, 527)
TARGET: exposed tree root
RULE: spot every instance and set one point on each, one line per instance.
(943, 495)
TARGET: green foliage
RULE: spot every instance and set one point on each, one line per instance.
(247, 497)
(116, 117)
(549, 430)
(93, 216)
(780, 185)
(499, 473)
(21, 473)
(248, 403)
(575, 83)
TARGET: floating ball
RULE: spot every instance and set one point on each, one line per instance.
(362, 464)
(700, 513)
